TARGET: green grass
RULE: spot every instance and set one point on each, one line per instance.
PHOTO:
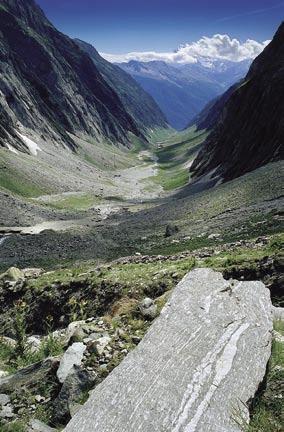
(73, 202)
(11, 362)
(16, 184)
(14, 426)
(267, 414)
(173, 155)
(160, 134)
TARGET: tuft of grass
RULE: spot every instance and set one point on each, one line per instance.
(267, 414)
(14, 426)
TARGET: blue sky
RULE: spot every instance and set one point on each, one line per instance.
(120, 26)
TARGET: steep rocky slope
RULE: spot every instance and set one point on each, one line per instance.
(210, 114)
(250, 129)
(139, 104)
(50, 85)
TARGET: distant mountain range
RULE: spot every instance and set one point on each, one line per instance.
(247, 122)
(182, 90)
(52, 86)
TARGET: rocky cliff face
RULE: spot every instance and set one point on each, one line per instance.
(250, 129)
(49, 84)
(139, 104)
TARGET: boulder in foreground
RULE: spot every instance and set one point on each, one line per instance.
(197, 367)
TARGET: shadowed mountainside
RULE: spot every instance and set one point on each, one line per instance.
(250, 129)
(50, 85)
(139, 104)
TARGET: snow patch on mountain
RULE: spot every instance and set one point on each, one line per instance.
(32, 146)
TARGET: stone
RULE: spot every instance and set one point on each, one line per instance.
(29, 376)
(78, 381)
(4, 399)
(38, 426)
(7, 412)
(3, 373)
(148, 309)
(213, 236)
(196, 368)
(98, 346)
(32, 273)
(73, 356)
(39, 398)
(8, 341)
(78, 335)
(34, 343)
(171, 230)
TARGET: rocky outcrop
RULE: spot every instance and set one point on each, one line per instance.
(30, 376)
(199, 364)
(249, 132)
(73, 356)
(50, 85)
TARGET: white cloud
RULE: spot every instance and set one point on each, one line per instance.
(215, 47)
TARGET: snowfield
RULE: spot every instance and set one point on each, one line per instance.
(32, 146)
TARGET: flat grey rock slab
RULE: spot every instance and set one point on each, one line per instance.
(38, 426)
(73, 356)
(198, 365)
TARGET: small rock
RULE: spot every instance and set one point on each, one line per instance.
(39, 398)
(136, 339)
(78, 335)
(34, 343)
(213, 236)
(98, 346)
(32, 273)
(171, 230)
(3, 374)
(29, 376)
(73, 356)
(4, 399)
(75, 384)
(148, 309)
(7, 412)
(8, 341)
(38, 426)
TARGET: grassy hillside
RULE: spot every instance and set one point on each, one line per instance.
(174, 157)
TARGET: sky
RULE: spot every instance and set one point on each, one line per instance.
(162, 26)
